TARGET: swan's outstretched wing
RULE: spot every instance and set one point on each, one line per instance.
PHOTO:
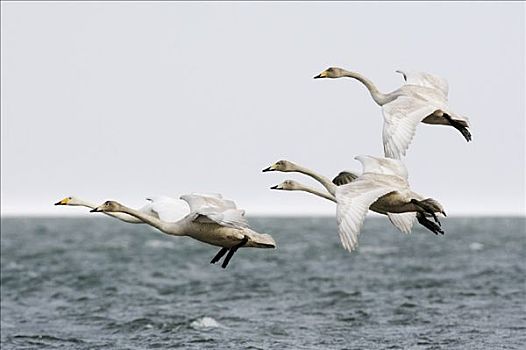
(206, 209)
(402, 221)
(426, 79)
(384, 166)
(353, 201)
(234, 218)
(166, 208)
(344, 177)
(401, 118)
(200, 200)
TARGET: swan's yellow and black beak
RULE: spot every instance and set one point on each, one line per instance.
(321, 75)
(277, 187)
(64, 201)
(270, 168)
(95, 210)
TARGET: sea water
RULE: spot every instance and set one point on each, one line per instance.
(97, 283)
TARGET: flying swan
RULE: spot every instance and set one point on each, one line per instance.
(173, 209)
(211, 219)
(402, 221)
(382, 187)
(422, 99)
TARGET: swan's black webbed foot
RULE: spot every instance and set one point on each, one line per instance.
(233, 250)
(219, 255)
(429, 209)
(430, 225)
(459, 126)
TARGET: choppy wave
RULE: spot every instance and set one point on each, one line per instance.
(100, 284)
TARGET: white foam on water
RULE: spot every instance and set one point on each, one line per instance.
(367, 249)
(157, 243)
(476, 246)
(206, 322)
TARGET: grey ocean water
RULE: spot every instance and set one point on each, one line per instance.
(96, 283)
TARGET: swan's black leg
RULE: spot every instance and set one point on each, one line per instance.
(457, 125)
(233, 250)
(219, 255)
(430, 225)
(427, 208)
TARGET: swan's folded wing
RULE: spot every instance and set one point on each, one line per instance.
(167, 209)
(353, 201)
(427, 80)
(401, 118)
(402, 221)
(344, 178)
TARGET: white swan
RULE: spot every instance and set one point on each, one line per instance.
(172, 209)
(211, 219)
(422, 99)
(382, 187)
(402, 221)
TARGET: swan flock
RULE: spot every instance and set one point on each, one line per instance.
(381, 187)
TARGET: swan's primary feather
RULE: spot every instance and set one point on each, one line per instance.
(344, 177)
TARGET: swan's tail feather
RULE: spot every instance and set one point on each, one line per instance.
(259, 240)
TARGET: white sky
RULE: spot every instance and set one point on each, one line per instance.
(125, 100)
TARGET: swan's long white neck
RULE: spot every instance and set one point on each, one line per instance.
(378, 97)
(315, 192)
(174, 229)
(327, 183)
(120, 216)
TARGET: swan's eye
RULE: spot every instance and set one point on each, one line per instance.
(329, 70)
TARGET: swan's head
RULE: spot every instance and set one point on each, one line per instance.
(282, 165)
(107, 207)
(69, 201)
(331, 72)
(287, 185)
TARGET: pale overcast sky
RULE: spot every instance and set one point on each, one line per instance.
(124, 100)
